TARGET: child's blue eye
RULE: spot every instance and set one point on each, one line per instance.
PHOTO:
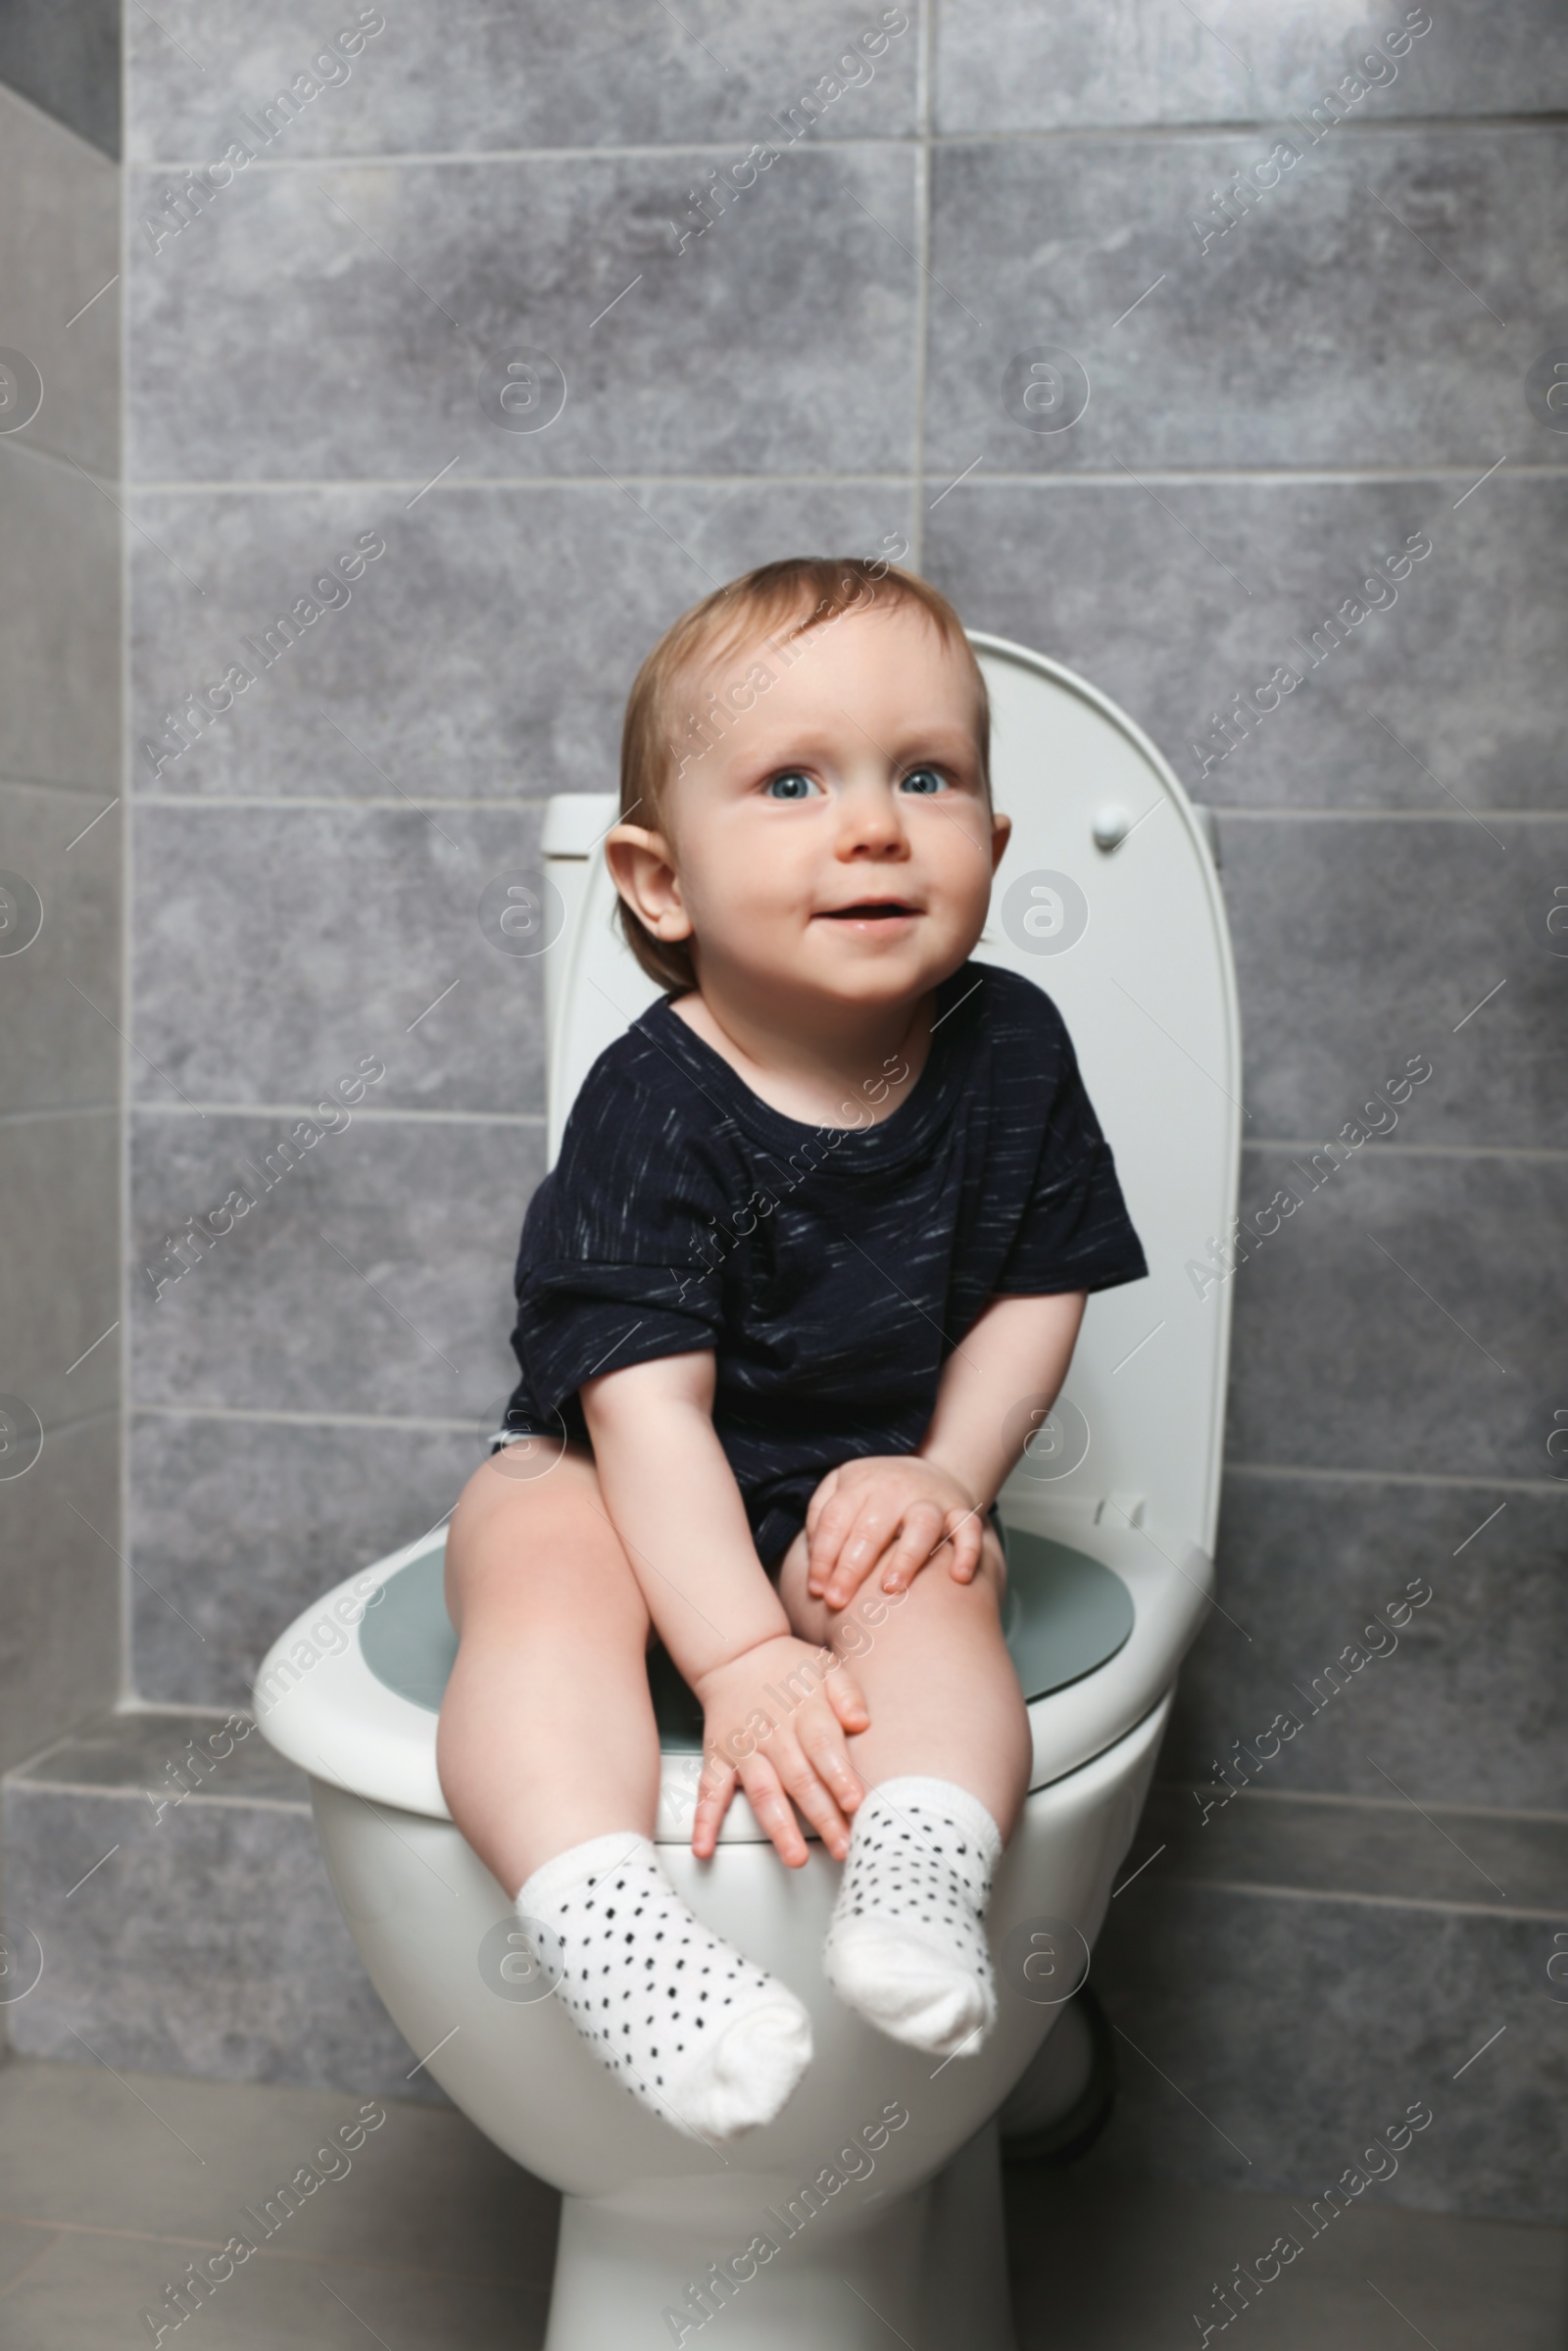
(790, 786)
(924, 779)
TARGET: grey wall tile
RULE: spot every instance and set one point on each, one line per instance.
(67, 61)
(1291, 342)
(60, 649)
(285, 336)
(276, 947)
(1465, 1709)
(60, 997)
(475, 74)
(1017, 66)
(374, 1276)
(59, 1587)
(59, 246)
(60, 1290)
(1299, 2028)
(281, 617)
(209, 1944)
(1178, 598)
(486, 655)
(1360, 944)
(1399, 1318)
(286, 1512)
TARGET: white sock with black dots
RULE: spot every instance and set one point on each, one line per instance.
(710, 2042)
(906, 1947)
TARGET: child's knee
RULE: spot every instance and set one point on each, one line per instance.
(959, 1605)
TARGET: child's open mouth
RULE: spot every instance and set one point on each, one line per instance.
(872, 909)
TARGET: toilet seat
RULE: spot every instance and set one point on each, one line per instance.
(1065, 1614)
(1104, 1610)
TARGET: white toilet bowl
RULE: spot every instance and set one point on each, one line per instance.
(872, 2203)
(890, 2224)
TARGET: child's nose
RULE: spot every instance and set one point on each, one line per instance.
(871, 820)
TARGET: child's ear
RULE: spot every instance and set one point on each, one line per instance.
(642, 868)
(1000, 834)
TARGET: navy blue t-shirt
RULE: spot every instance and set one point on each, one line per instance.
(831, 1269)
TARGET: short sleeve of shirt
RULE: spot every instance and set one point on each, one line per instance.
(1075, 1232)
(615, 1266)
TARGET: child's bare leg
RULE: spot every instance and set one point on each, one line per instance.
(941, 1687)
(549, 1758)
(546, 1736)
(946, 1763)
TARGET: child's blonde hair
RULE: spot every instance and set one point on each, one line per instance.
(768, 610)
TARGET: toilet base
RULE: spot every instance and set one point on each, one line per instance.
(929, 2267)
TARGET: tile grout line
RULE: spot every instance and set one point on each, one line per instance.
(415, 1116)
(922, 283)
(151, 1710)
(1276, 475)
(524, 804)
(126, 1791)
(1338, 1800)
(125, 1544)
(524, 1119)
(1251, 126)
(1549, 121)
(51, 783)
(1486, 1480)
(519, 805)
(17, 1118)
(1262, 1890)
(1227, 812)
(153, 2236)
(1387, 1146)
(443, 158)
(58, 1429)
(285, 1418)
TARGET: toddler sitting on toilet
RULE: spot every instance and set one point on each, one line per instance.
(808, 1269)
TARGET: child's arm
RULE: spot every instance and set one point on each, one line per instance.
(672, 1500)
(898, 1509)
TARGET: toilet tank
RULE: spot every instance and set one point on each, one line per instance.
(1108, 898)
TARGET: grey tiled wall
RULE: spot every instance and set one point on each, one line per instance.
(1342, 372)
(60, 831)
(304, 356)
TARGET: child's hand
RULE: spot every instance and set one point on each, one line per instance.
(894, 1510)
(807, 1699)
